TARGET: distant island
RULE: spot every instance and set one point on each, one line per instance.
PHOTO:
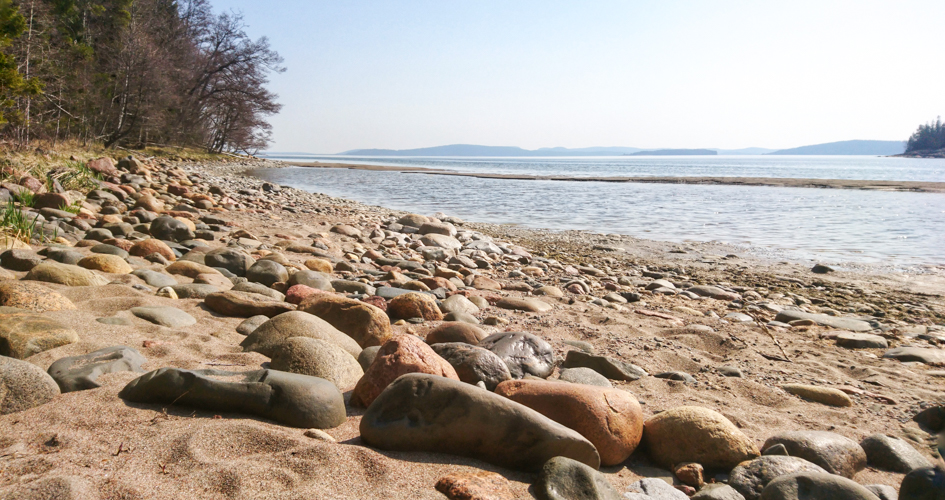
(676, 152)
(872, 148)
(928, 141)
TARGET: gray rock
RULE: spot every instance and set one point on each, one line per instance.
(24, 385)
(419, 412)
(346, 286)
(565, 479)
(194, 290)
(170, 229)
(931, 419)
(317, 358)
(927, 483)
(367, 356)
(751, 477)
(835, 453)
(459, 304)
(892, 454)
(584, 376)
(244, 304)
(474, 364)
(883, 492)
(717, 491)
(233, 259)
(115, 320)
(109, 250)
(249, 325)
(677, 376)
(287, 398)
(296, 324)
(170, 317)
(815, 486)
(713, 292)
(389, 292)
(17, 259)
(79, 373)
(267, 272)
(64, 256)
(461, 317)
(776, 450)
(523, 353)
(611, 368)
(154, 278)
(729, 371)
(653, 489)
(921, 354)
(260, 289)
(313, 279)
(855, 325)
(861, 341)
(65, 274)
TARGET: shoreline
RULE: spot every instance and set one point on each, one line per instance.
(869, 185)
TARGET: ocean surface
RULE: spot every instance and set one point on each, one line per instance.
(894, 230)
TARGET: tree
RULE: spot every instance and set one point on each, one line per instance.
(928, 137)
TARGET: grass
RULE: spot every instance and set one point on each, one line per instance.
(72, 209)
(77, 176)
(17, 225)
(26, 198)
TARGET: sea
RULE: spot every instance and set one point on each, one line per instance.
(846, 228)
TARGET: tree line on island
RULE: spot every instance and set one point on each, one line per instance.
(928, 138)
(133, 73)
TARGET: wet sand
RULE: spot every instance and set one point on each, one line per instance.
(915, 186)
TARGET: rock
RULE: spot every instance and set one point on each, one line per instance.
(441, 241)
(855, 325)
(413, 220)
(249, 325)
(280, 328)
(529, 305)
(861, 341)
(259, 289)
(64, 256)
(892, 454)
(267, 272)
(677, 376)
(821, 269)
(482, 485)
(817, 394)
(584, 376)
(401, 354)
(367, 356)
(548, 291)
(474, 364)
(151, 204)
(611, 368)
(296, 294)
(104, 166)
(17, 259)
(927, 483)
(318, 358)
(150, 246)
(32, 296)
(459, 304)
(244, 304)
(714, 292)
(566, 479)
(23, 386)
(287, 398)
(366, 324)
(346, 230)
(170, 229)
(717, 491)
(422, 412)
(883, 492)
(189, 269)
(695, 434)
(611, 419)
(311, 279)
(414, 305)
(815, 486)
(23, 335)
(835, 453)
(523, 353)
(170, 317)
(154, 278)
(931, 419)
(194, 290)
(234, 260)
(65, 274)
(653, 489)
(486, 283)
(456, 332)
(79, 373)
(320, 265)
(929, 356)
(750, 478)
(105, 263)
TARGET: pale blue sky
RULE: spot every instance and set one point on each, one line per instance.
(688, 74)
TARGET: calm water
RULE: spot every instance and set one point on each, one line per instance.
(831, 225)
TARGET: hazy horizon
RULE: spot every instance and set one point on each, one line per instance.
(654, 75)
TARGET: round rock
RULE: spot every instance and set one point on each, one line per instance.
(750, 478)
(23, 385)
(455, 331)
(474, 364)
(318, 358)
(284, 326)
(835, 453)
(695, 434)
(400, 355)
(524, 353)
(815, 486)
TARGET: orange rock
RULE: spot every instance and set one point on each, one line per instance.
(414, 305)
(366, 324)
(437, 282)
(150, 203)
(120, 243)
(401, 354)
(484, 283)
(151, 245)
(611, 419)
(482, 485)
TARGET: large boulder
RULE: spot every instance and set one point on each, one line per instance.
(32, 296)
(815, 486)
(23, 386)
(835, 453)
(695, 434)
(65, 274)
(611, 419)
(474, 364)
(23, 335)
(78, 373)
(524, 353)
(277, 330)
(422, 412)
(245, 304)
(414, 305)
(750, 478)
(566, 479)
(366, 324)
(317, 358)
(401, 354)
(287, 398)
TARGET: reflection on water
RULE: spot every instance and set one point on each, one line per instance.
(893, 228)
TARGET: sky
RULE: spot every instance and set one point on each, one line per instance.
(649, 74)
